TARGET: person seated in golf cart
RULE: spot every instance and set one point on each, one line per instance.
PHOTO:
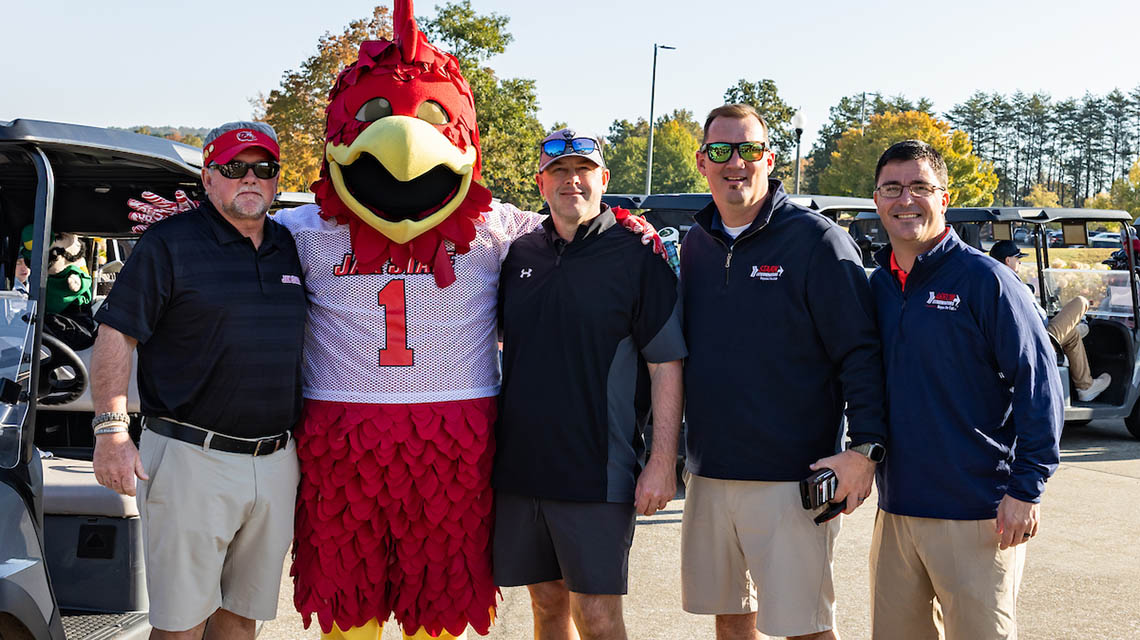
(1066, 329)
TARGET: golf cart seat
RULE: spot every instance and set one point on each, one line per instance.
(93, 541)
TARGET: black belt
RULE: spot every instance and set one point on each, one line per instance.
(213, 440)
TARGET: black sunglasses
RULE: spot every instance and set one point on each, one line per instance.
(234, 169)
(555, 148)
(720, 152)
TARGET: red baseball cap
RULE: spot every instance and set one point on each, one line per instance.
(230, 139)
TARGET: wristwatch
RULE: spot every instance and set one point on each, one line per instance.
(874, 451)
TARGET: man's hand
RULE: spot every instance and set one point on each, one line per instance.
(117, 463)
(855, 474)
(656, 487)
(1017, 521)
(157, 208)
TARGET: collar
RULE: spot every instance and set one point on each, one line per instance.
(946, 244)
(227, 233)
(594, 227)
(709, 217)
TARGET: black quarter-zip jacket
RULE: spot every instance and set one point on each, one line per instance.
(579, 321)
(781, 332)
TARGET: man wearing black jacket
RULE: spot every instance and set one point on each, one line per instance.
(781, 333)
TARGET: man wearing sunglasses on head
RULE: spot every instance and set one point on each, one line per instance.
(213, 301)
(591, 334)
(781, 334)
(974, 414)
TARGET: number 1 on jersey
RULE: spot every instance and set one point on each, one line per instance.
(395, 352)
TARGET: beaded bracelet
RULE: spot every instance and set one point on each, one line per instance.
(111, 416)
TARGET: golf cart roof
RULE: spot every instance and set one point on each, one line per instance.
(95, 170)
(1024, 214)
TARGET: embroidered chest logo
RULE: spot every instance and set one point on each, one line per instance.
(767, 272)
(944, 301)
(290, 279)
(526, 273)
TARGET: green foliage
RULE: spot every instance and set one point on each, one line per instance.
(1102, 200)
(1040, 196)
(296, 109)
(765, 98)
(851, 171)
(186, 135)
(675, 140)
(509, 130)
(851, 113)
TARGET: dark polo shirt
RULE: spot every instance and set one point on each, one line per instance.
(219, 323)
(580, 321)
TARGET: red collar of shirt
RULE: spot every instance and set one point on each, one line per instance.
(898, 272)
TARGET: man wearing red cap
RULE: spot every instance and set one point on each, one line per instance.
(213, 301)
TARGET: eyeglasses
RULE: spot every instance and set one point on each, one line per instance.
(918, 189)
(720, 152)
(583, 146)
(235, 169)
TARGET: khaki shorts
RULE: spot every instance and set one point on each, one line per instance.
(217, 527)
(915, 560)
(749, 546)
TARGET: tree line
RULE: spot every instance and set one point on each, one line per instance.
(1024, 149)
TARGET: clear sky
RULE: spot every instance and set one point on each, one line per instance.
(130, 62)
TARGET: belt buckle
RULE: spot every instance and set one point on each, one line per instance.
(257, 447)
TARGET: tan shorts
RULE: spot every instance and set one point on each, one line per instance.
(217, 527)
(750, 546)
(915, 560)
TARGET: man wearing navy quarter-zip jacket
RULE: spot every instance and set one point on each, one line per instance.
(781, 333)
(974, 414)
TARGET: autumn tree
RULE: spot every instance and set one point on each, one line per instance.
(1040, 196)
(852, 168)
(676, 138)
(296, 109)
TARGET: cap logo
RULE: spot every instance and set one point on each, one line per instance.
(246, 136)
(566, 133)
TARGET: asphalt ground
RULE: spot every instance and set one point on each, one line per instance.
(1081, 576)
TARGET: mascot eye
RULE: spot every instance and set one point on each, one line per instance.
(374, 109)
(431, 111)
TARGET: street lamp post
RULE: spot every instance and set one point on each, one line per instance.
(652, 95)
(798, 124)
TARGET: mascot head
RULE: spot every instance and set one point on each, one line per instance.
(402, 158)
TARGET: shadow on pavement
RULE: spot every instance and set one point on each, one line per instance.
(1101, 441)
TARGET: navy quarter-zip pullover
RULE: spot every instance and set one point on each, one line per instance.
(973, 394)
(781, 332)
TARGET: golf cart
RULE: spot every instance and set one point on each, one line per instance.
(1075, 264)
(71, 564)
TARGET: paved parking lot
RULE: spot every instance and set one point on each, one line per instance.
(1081, 573)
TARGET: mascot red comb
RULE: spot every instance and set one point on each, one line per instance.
(401, 258)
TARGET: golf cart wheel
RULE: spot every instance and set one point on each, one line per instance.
(1132, 421)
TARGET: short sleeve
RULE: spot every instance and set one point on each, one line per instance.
(141, 291)
(657, 326)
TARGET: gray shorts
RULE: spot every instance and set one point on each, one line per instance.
(584, 543)
(216, 527)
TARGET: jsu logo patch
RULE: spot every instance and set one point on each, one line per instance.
(944, 301)
(767, 272)
(246, 136)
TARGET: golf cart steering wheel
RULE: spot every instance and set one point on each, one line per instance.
(63, 376)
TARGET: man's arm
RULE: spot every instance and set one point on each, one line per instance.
(117, 461)
(658, 482)
(840, 302)
(1026, 359)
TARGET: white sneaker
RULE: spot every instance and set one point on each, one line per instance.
(1082, 330)
(1100, 383)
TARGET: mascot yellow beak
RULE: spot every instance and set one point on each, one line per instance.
(417, 156)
